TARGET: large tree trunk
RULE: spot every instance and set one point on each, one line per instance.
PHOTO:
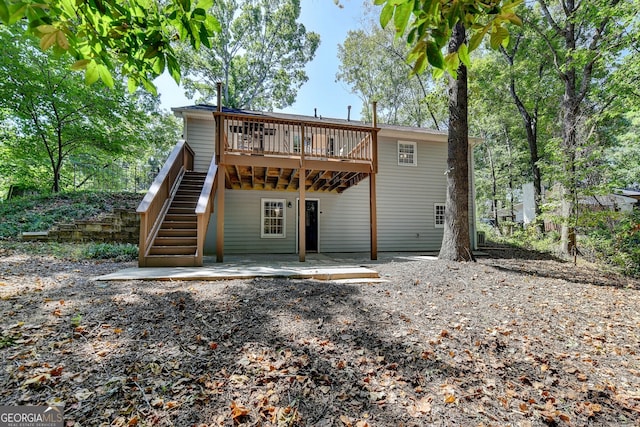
(456, 244)
(570, 113)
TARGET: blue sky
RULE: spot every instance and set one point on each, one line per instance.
(321, 91)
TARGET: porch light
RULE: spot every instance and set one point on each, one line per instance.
(289, 204)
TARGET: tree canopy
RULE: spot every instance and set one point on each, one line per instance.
(259, 55)
(372, 63)
(51, 117)
(134, 35)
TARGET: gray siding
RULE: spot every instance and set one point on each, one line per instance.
(343, 222)
(405, 200)
(199, 134)
(406, 196)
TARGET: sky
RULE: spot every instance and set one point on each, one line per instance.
(321, 91)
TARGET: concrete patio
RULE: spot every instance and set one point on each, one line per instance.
(334, 266)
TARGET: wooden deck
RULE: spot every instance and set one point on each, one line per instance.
(262, 152)
(266, 153)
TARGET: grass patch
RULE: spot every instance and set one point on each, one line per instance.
(120, 252)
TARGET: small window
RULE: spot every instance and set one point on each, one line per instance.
(438, 211)
(273, 218)
(407, 154)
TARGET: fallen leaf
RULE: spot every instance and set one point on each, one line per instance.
(38, 379)
(420, 407)
(238, 411)
(346, 421)
(449, 398)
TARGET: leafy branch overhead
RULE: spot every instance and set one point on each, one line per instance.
(433, 20)
(136, 34)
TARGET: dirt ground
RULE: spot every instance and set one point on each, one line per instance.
(516, 339)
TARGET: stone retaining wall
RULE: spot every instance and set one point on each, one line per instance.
(121, 226)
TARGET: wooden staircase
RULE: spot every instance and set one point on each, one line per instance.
(175, 244)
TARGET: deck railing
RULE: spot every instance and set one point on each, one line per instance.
(292, 138)
(204, 208)
(158, 198)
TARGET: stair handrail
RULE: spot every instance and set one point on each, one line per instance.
(204, 209)
(158, 198)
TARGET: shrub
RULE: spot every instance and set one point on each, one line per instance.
(616, 244)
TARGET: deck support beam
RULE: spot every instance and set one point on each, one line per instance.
(220, 215)
(302, 217)
(221, 181)
(373, 216)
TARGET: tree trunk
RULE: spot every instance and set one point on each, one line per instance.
(570, 112)
(494, 189)
(456, 244)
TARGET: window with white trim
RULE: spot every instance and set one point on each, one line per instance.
(438, 214)
(273, 218)
(407, 153)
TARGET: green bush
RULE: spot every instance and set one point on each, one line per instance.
(616, 244)
(114, 251)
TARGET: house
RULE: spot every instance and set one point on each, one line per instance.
(234, 185)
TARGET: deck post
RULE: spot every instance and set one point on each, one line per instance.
(302, 217)
(302, 205)
(219, 155)
(220, 214)
(373, 216)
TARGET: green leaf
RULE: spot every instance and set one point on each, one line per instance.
(402, 15)
(451, 61)
(199, 14)
(46, 29)
(132, 84)
(91, 74)
(61, 40)
(498, 35)
(212, 24)
(105, 75)
(477, 37)
(80, 65)
(4, 11)
(16, 12)
(149, 86)
(174, 67)
(47, 40)
(513, 18)
(437, 73)
(463, 53)
(385, 14)
(420, 65)
(204, 4)
(434, 55)
(158, 64)
(150, 52)
(379, 2)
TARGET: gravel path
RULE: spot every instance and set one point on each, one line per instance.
(515, 339)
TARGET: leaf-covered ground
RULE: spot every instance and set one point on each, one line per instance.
(510, 340)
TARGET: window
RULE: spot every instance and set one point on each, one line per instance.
(407, 154)
(273, 218)
(438, 212)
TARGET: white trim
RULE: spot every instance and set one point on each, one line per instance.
(414, 154)
(297, 222)
(282, 235)
(436, 216)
